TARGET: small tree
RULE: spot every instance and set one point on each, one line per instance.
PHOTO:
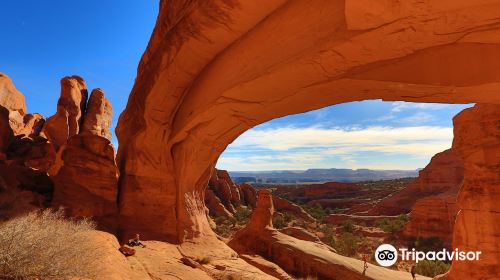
(347, 244)
(348, 226)
(44, 245)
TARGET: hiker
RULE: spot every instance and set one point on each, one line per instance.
(365, 264)
(413, 271)
(136, 241)
(126, 251)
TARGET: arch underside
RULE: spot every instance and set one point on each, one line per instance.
(214, 69)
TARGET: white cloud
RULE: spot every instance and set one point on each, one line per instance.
(282, 139)
(316, 147)
(419, 117)
(399, 106)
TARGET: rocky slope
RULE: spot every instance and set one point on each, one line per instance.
(295, 256)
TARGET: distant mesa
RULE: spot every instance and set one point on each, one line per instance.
(318, 175)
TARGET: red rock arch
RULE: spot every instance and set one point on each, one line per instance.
(214, 69)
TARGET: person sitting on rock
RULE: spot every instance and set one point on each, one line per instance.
(126, 251)
(136, 241)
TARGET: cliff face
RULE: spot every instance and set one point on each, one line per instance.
(223, 196)
(443, 174)
(476, 142)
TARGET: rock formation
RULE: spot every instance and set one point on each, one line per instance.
(70, 109)
(98, 115)
(211, 71)
(434, 216)
(86, 184)
(85, 173)
(249, 195)
(283, 205)
(223, 196)
(477, 134)
(443, 174)
(215, 206)
(82, 176)
(301, 234)
(23, 183)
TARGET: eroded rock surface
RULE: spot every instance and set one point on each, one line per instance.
(477, 134)
(284, 205)
(223, 197)
(211, 71)
(70, 109)
(86, 184)
(443, 174)
(98, 115)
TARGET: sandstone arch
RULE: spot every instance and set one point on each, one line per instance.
(214, 69)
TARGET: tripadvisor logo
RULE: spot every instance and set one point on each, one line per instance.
(387, 255)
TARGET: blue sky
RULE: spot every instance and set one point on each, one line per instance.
(102, 41)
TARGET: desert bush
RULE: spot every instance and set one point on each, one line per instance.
(432, 268)
(316, 211)
(45, 245)
(347, 244)
(223, 226)
(348, 226)
(393, 225)
(288, 217)
(427, 244)
(280, 223)
(242, 215)
(327, 230)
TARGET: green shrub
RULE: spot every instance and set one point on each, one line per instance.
(327, 230)
(316, 211)
(280, 223)
(288, 217)
(224, 225)
(242, 215)
(348, 226)
(347, 244)
(427, 244)
(432, 268)
(392, 225)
